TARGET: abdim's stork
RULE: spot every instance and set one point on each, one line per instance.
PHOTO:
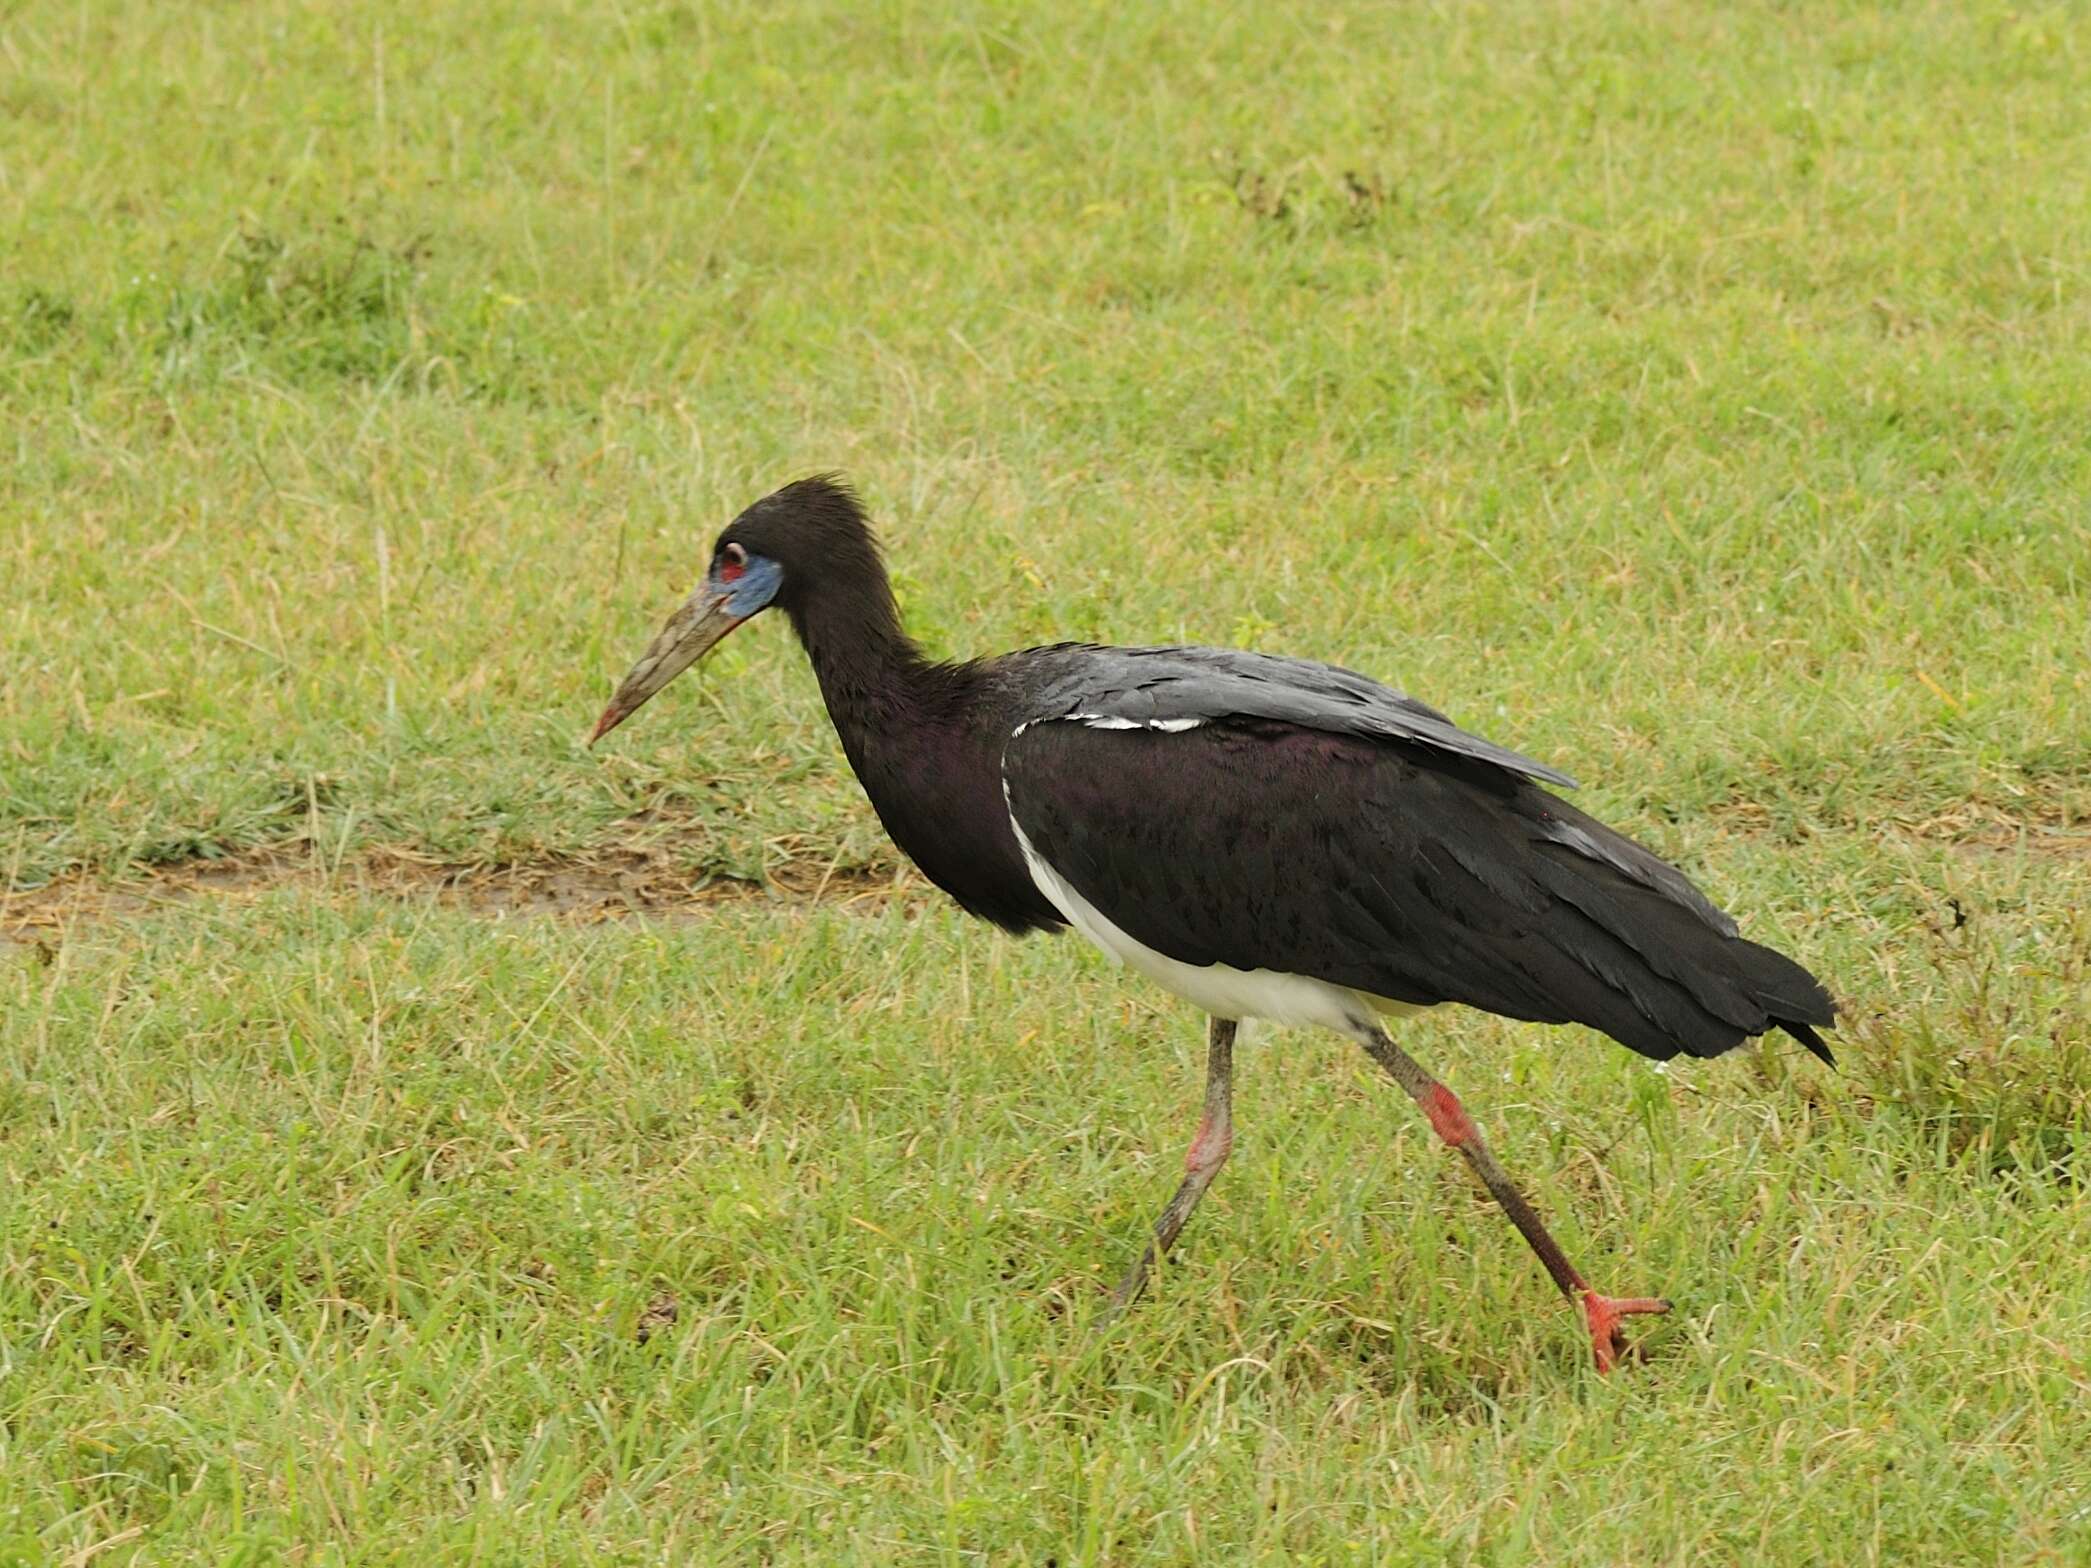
(1265, 837)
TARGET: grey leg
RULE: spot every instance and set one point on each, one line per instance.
(1208, 1152)
(1451, 1123)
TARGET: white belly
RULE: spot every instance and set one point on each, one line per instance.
(1221, 990)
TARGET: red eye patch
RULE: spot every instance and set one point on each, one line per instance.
(731, 564)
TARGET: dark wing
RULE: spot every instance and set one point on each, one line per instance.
(1179, 684)
(1398, 870)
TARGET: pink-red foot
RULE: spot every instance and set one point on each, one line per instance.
(1603, 1313)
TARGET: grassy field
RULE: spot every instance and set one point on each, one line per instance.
(1693, 398)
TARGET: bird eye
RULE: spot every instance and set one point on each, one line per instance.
(733, 560)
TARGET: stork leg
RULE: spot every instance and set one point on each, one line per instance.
(1208, 1152)
(1451, 1123)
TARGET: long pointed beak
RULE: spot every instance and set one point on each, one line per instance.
(690, 634)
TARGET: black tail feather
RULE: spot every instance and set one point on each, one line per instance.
(1808, 1037)
(1688, 980)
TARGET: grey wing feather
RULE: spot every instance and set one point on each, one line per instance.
(1152, 686)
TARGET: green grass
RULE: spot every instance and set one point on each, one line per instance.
(1693, 399)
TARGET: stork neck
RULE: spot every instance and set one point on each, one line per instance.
(926, 742)
(866, 663)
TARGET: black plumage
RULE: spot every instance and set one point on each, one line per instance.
(1247, 828)
(1418, 875)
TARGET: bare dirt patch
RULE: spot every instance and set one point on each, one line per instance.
(1978, 832)
(1971, 829)
(607, 883)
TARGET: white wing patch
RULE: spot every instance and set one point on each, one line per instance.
(1111, 721)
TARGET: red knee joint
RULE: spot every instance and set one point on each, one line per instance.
(1209, 1145)
(1447, 1116)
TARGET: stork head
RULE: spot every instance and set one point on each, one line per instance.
(783, 548)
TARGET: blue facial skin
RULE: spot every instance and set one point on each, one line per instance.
(756, 586)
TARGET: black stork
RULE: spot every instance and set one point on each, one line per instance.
(1266, 837)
